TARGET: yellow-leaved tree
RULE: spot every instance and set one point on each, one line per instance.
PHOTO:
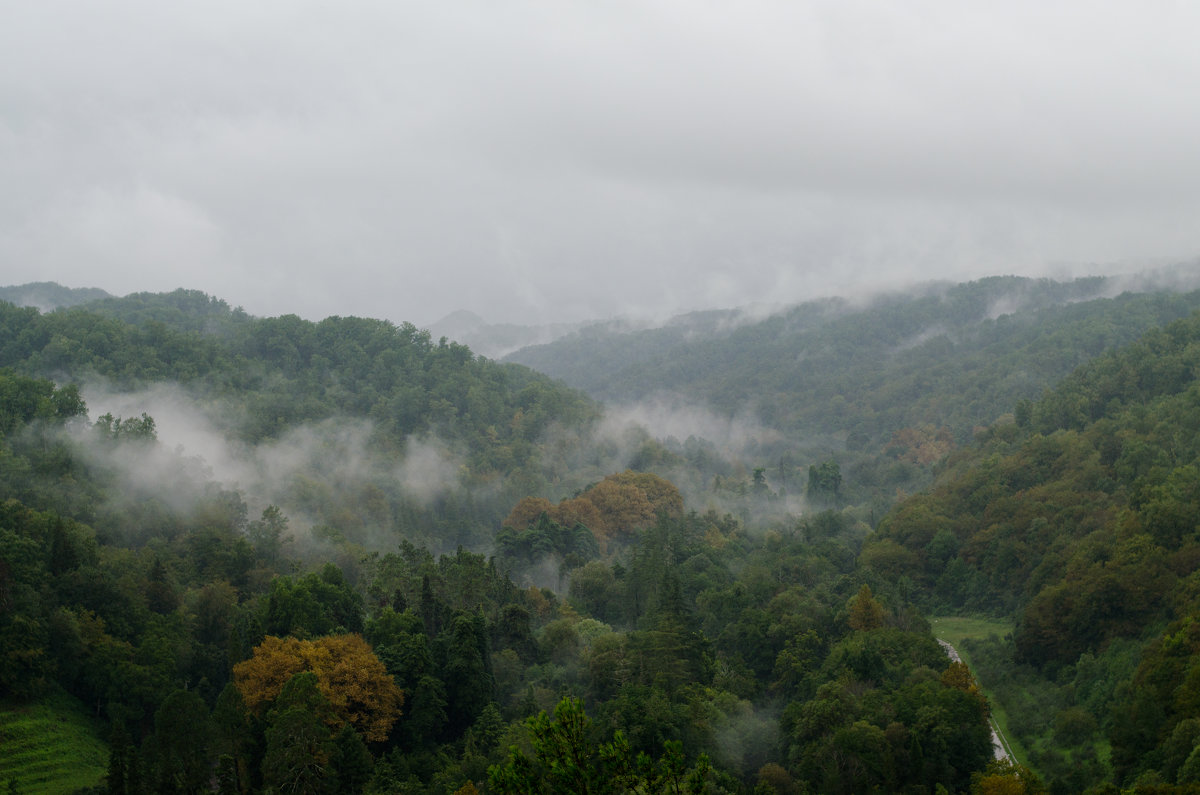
(663, 495)
(349, 675)
(527, 511)
(617, 507)
(578, 510)
(624, 507)
(865, 612)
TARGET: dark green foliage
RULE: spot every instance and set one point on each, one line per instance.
(300, 748)
(180, 754)
(824, 481)
(464, 653)
(235, 739)
(351, 761)
(313, 605)
(542, 539)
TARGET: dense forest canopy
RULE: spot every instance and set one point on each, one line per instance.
(1080, 520)
(322, 394)
(271, 554)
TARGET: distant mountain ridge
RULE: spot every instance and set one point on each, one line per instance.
(496, 340)
(46, 296)
(957, 356)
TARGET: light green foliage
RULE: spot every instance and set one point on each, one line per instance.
(567, 759)
(51, 746)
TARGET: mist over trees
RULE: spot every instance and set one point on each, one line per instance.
(864, 370)
(268, 554)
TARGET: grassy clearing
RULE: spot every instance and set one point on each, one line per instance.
(52, 746)
(954, 630)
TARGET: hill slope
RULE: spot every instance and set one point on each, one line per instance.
(46, 296)
(407, 419)
(51, 747)
(955, 356)
(1079, 519)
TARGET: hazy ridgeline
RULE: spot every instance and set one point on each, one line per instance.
(722, 561)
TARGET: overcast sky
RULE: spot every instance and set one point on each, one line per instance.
(536, 161)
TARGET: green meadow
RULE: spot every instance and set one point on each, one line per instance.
(53, 746)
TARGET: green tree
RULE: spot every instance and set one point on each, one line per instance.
(313, 605)
(300, 747)
(825, 480)
(181, 748)
(267, 535)
(568, 759)
(467, 671)
(352, 761)
(865, 611)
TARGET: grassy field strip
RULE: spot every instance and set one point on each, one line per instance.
(52, 746)
(954, 630)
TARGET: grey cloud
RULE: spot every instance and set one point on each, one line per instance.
(551, 161)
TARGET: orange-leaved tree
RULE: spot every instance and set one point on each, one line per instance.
(619, 505)
(578, 510)
(663, 495)
(624, 507)
(527, 511)
(349, 675)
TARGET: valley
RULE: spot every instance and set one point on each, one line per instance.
(718, 555)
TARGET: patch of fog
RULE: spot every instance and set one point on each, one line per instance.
(337, 449)
(731, 447)
(1026, 297)
(718, 322)
(1174, 276)
(1008, 305)
(429, 469)
(180, 421)
(1138, 278)
(921, 337)
(196, 447)
(546, 573)
(148, 470)
(745, 736)
(672, 415)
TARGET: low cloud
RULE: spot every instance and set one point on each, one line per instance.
(196, 448)
(671, 416)
(429, 469)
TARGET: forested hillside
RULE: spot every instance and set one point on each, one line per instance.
(371, 422)
(1079, 519)
(46, 296)
(366, 561)
(954, 356)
